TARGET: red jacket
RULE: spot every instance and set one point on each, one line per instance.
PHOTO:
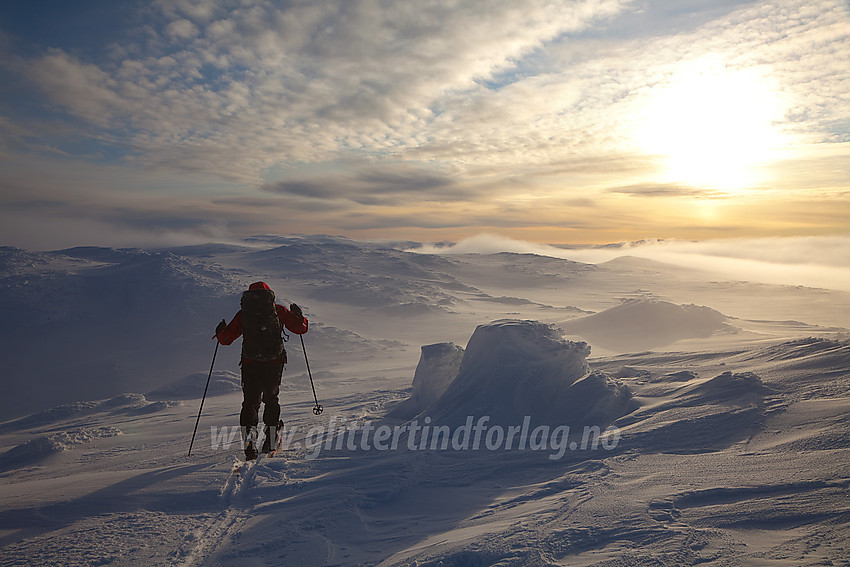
(233, 331)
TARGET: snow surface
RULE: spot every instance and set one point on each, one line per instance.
(728, 442)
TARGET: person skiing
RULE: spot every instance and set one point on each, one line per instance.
(260, 322)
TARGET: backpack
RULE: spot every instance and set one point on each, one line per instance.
(261, 330)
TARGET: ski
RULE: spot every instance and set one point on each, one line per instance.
(268, 449)
(278, 441)
(274, 451)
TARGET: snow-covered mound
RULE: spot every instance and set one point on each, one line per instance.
(680, 376)
(512, 369)
(641, 324)
(62, 412)
(192, 386)
(80, 412)
(438, 366)
(805, 352)
(741, 389)
(39, 448)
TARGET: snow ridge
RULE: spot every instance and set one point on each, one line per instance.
(517, 368)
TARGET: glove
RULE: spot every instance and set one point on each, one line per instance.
(295, 310)
(221, 327)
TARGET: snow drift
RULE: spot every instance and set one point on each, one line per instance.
(438, 366)
(36, 450)
(512, 369)
(700, 415)
(192, 386)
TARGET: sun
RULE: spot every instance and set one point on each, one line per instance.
(712, 126)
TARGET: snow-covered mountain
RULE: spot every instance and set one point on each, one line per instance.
(480, 409)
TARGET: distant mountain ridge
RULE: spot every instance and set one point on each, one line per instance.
(92, 322)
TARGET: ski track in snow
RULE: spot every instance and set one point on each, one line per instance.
(236, 513)
(227, 523)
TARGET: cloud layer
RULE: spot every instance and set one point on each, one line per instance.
(372, 117)
(234, 88)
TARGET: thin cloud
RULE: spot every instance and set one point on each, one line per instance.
(371, 185)
(662, 190)
(303, 188)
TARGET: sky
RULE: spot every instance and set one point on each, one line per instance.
(580, 121)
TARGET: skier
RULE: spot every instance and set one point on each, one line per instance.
(261, 321)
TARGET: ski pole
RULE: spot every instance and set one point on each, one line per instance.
(318, 409)
(197, 421)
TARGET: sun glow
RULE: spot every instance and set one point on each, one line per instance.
(713, 127)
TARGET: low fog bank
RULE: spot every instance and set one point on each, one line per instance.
(811, 261)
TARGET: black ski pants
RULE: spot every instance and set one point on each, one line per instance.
(260, 383)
